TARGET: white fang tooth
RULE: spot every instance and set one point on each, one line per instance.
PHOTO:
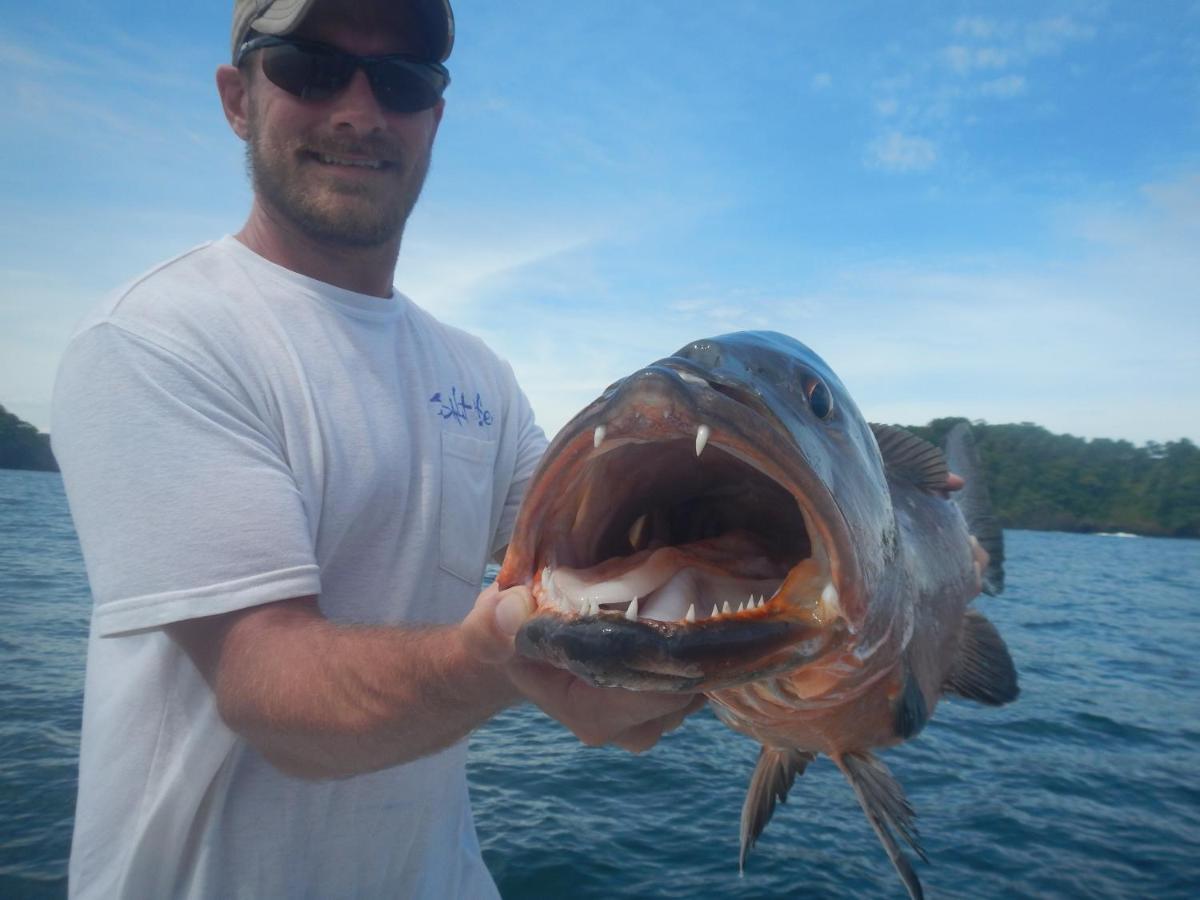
(637, 531)
(829, 600)
(716, 612)
(691, 613)
(725, 609)
(631, 612)
(742, 606)
(701, 438)
(598, 436)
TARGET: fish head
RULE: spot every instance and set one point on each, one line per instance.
(716, 516)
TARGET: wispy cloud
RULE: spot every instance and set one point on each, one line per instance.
(1004, 88)
(1095, 347)
(899, 152)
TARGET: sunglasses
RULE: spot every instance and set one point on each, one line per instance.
(315, 71)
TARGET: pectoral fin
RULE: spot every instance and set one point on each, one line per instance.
(772, 779)
(887, 809)
(983, 671)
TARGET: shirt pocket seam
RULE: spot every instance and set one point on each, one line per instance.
(466, 505)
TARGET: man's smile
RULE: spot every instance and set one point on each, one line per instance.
(355, 162)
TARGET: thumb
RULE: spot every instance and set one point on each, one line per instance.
(492, 624)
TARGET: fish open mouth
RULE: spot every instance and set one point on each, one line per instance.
(670, 551)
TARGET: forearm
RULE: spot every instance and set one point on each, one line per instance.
(322, 700)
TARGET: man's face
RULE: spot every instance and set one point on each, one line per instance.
(344, 171)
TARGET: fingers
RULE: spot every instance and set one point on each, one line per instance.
(642, 737)
(490, 626)
(633, 720)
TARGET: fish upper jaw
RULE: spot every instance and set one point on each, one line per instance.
(672, 506)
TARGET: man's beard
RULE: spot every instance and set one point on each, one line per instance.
(342, 213)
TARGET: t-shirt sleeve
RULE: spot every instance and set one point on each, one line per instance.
(181, 494)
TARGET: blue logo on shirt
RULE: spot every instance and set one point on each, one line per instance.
(458, 407)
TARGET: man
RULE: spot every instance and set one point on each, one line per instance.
(286, 479)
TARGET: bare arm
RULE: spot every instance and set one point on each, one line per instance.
(321, 700)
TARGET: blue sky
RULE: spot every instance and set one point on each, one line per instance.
(980, 209)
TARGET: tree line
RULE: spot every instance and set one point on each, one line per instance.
(22, 446)
(1058, 482)
(1037, 480)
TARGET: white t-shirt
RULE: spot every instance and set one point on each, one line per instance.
(231, 434)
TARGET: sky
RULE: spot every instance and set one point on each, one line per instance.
(980, 209)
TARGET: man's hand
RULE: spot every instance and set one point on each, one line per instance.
(634, 720)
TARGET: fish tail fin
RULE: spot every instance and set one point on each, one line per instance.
(975, 503)
(883, 800)
(773, 777)
(983, 670)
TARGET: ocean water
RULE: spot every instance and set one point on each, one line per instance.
(1087, 786)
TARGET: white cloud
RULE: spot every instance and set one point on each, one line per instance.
(822, 81)
(965, 60)
(899, 152)
(976, 27)
(1049, 36)
(1005, 87)
(1100, 346)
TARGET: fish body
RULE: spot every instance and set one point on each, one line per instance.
(726, 521)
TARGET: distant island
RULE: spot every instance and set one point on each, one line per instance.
(22, 446)
(1038, 480)
(1057, 482)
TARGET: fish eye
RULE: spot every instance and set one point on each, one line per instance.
(820, 400)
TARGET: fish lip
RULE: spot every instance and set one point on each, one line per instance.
(611, 651)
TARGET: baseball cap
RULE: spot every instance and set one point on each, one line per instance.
(434, 18)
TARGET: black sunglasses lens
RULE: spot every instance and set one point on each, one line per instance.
(308, 73)
(405, 87)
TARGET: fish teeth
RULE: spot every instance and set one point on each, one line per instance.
(691, 613)
(631, 612)
(598, 435)
(637, 531)
(702, 434)
(742, 606)
(725, 609)
(829, 601)
(716, 612)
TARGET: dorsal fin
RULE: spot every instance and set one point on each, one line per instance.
(883, 800)
(983, 670)
(912, 458)
(772, 779)
(975, 502)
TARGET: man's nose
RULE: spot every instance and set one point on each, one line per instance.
(356, 107)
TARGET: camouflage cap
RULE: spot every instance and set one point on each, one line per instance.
(435, 18)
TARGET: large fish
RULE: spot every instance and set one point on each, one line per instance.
(725, 521)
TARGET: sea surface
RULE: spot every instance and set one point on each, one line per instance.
(1087, 786)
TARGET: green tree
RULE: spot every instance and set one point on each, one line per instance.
(22, 446)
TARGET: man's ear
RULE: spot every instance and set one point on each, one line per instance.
(234, 89)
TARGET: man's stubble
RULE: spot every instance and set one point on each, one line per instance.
(339, 213)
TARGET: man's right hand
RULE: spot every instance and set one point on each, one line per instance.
(633, 720)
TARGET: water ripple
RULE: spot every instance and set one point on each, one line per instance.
(1086, 787)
